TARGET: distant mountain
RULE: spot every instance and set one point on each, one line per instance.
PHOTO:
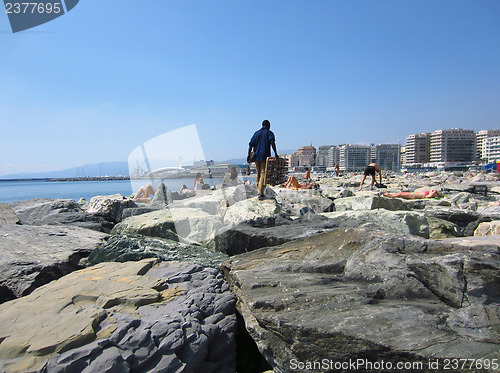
(98, 169)
(244, 160)
(236, 161)
(88, 170)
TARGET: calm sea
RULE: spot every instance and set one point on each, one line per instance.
(11, 191)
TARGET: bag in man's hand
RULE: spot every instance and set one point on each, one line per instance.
(251, 157)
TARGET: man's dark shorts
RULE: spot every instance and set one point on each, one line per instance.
(370, 170)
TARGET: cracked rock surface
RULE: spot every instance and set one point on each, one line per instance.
(31, 256)
(355, 293)
(145, 316)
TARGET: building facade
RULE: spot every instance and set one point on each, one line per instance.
(353, 158)
(480, 136)
(322, 158)
(491, 149)
(387, 156)
(417, 149)
(453, 146)
(306, 156)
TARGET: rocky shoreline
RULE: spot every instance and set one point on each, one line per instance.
(223, 282)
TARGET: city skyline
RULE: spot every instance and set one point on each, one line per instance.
(91, 86)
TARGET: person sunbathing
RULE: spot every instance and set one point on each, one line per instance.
(292, 183)
(415, 195)
(144, 194)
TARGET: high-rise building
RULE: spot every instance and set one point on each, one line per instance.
(417, 148)
(483, 134)
(387, 156)
(354, 157)
(453, 146)
(491, 148)
(334, 156)
(322, 158)
(402, 159)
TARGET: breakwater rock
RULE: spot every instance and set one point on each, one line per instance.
(363, 294)
(123, 248)
(145, 316)
(7, 216)
(31, 256)
(329, 273)
(60, 212)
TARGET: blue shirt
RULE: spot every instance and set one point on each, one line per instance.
(262, 146)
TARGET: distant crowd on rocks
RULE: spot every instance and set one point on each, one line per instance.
(220, 280)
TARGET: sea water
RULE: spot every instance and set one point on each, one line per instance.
(21, 190)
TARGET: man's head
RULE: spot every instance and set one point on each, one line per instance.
(266, 124)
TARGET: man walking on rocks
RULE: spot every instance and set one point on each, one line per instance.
(261, 143)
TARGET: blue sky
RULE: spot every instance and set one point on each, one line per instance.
(109, 75)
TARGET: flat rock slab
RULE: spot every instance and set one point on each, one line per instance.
(7, 216)
(192, 225)
(364, 294)
(31, 256)
(41, 211)
(145, 316)
(271, 231)
(123, 248)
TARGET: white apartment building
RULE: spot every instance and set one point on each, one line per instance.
(322, 159)
(491, 148)
(354, 158)
(453, 146)
(483, 134)
(334, 155)
(417, 149)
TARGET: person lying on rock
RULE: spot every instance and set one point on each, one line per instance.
(292, 183)
(145, 194)
(415, 195)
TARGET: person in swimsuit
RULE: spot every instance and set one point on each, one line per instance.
(292, 183)
(370, 170)
(198, 182)
(415, 195)
(307, 175)
(145, 194)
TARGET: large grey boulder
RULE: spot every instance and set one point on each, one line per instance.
(123, 317)
(162, 197)
(353, 294)
(261, 232)
(404, 222)
(293, 201)
(462, 221)
(488, 229)
(32, 256)
(371, 201)
(111, 206)
(251, 209)
(125, 248)
(234, 194)
(192, 225)
(335, 193)
(134, 211)
(211, 202)
(7, 216)
(41, 211)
